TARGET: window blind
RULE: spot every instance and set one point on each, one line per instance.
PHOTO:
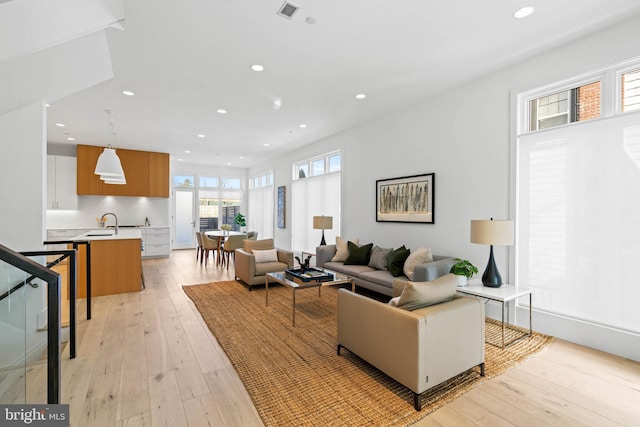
(261, 211)
(312, 197)
(578, 216)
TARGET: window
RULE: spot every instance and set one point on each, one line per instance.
(631, 90)
(218, 198)
(261, 205)
(567, 106)
(328, 163)
(318, 194)
(183, 181)
(578, 203)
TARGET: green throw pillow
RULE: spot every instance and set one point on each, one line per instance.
(358, 255)
(397, 259)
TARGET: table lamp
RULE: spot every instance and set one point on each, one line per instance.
(323, 223)
(490, 232)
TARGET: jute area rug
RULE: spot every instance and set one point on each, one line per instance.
(294, 375)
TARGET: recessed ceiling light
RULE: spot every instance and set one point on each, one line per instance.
(128, 93)
(71, 138)
(524, 12)
(257, 67)
(60, 125)
(241, 157)
(266, 145)
(228, 164)
(180, 160)
(187, 151)
(303, 126)
(361, 96)
(201, 135)
(221, 111)
(47, 105)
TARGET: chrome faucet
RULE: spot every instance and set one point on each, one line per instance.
(114, 215)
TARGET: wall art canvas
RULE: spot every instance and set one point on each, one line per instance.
(282, 206)
(406, 199)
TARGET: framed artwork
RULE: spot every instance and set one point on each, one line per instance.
(282, 206)
(406, 199)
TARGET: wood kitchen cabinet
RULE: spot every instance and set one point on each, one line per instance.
(147, 173)
(158, 175)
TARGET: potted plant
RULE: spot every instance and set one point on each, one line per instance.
(240, 220)
(464, 270)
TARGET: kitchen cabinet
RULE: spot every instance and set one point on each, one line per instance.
(156, 242)
(88, 183)
(147, 173)
(158, 175)
(136, 170)
(61, 183)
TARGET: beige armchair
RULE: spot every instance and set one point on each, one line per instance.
(253, 273)
(420, 349)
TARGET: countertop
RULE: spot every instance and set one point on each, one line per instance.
(109, 234)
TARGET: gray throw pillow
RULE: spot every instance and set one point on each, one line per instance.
(379, 258)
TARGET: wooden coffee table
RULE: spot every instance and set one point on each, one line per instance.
(280, 277)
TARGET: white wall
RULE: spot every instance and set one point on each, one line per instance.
(22, 177)
(465, 136)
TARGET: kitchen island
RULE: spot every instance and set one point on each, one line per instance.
(116, 262)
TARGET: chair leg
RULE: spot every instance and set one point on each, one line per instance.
(228, 256)
(417, 402)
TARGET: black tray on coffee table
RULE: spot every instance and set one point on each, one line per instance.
(309, 275)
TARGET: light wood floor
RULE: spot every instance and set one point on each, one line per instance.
(148, 359)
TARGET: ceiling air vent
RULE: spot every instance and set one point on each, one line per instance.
(288, 9)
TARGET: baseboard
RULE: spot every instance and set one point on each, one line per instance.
(610, 340)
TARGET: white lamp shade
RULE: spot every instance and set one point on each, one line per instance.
(118, 180)
(492, 232)
(323, 222)
(109, 165)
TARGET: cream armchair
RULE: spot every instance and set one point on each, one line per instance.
(420, 349)
(253, 273)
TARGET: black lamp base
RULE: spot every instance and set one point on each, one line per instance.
(491, 277)
(323, 242)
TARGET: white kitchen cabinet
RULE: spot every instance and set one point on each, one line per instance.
(156, 242)
(61, 183)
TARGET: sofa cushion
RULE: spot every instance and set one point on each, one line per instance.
(270, 267)
(260, 245)
(267, 255)
(358, 255)
(379, 258)
(397, 259)
(422, 294)
(380, 277)
(342, 249)
(349, 270)
(418, 256)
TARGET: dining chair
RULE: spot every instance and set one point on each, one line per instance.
(209, 244)
(230, 245)
(252, 235)
(199, 247)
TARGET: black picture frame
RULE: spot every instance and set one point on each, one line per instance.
(282, 206)
(406, 199)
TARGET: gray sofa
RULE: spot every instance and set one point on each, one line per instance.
(381, 281)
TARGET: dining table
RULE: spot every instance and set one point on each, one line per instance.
(221, 235)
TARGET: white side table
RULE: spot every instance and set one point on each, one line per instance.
(503, 295)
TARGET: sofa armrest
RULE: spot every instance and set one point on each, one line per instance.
(324, 254)
(286, 257)
(432, 270)
(245, 265)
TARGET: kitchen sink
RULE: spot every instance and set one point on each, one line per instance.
(99, 234)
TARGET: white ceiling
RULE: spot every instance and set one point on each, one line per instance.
(186, 59)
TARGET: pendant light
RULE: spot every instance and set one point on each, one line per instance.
(108, 166)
